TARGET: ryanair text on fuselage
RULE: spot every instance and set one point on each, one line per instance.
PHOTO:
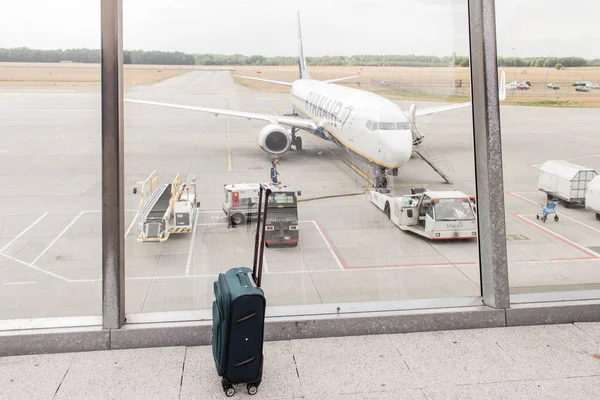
(323, 107)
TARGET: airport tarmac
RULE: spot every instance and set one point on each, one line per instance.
(50, 236)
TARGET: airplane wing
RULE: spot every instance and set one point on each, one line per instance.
(295, 122)
(434, 110)
(265, 80)
(341, 79)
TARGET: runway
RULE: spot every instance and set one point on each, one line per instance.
(50, 231)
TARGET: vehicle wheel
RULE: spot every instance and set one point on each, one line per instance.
(384, 182)
(252, 389)
(567, 204)
(229, 391)
(549, 196)
(386, 209)
(556, 218)
(298, 143)
(598, 217)
(544, 219)
(237, 219)
(537, 217)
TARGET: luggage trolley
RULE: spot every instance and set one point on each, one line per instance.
(549, 208)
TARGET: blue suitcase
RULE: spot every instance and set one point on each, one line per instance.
(238, 313)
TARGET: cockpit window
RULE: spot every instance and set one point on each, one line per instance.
(393, 126)
(370, 125)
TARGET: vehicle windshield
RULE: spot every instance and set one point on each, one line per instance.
(453, 210)
(282, 198)
(393, 126)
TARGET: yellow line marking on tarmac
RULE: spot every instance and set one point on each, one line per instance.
(278, 107)
(228, 134)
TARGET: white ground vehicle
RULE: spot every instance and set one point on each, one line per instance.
(436, 215)
(564, 180)
(592, 196)
(241, 201)
(165, 208)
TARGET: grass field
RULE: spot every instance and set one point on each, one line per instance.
(438, 84)
(411, 83)
(47, 74)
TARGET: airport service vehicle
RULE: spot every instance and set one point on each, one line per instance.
(592, 196)
(436, 215)
(282, 219)
(341, 115)
(241, 206)
(165, 208)
(565, 181)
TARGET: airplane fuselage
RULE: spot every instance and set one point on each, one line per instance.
(362, 122)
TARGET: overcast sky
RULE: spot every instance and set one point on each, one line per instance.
(268, 27)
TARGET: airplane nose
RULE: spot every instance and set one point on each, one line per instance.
(399, 148)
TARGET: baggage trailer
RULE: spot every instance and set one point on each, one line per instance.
(592, 196)
(565, 181)
(165, 208)
(436, 215)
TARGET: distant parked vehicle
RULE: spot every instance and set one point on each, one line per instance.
(579, 83)
(592, 85)
(553, 85)
(582, 89)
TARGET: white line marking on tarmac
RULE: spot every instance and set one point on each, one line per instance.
(265, 262)
(132, 223)
(582, 248)
(22, 233)
(19, 283)
(62, 278)
(337, 260)
(562, 215)
(56, 238)
(210, 212)
(191, 249)
(569, 159)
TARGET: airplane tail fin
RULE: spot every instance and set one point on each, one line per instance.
(301, 60)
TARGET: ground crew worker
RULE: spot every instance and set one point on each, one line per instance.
(274, 172)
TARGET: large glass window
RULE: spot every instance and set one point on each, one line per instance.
(50, 143)
(550, 145)
(350, 247)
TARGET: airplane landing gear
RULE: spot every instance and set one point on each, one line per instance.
(381, 180)
(296, 140)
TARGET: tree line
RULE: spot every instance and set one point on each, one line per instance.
(24, 54)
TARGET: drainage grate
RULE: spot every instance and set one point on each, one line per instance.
(516, 236)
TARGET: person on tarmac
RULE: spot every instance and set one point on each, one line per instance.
(274, 172)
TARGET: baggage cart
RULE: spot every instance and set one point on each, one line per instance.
(565, 181)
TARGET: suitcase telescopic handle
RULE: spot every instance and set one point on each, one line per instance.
(259, 245)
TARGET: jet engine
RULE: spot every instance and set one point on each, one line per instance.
(275, 139)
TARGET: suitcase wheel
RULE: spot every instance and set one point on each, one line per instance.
(252, 389)
(229, 390)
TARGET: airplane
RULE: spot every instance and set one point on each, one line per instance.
(363, 123)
